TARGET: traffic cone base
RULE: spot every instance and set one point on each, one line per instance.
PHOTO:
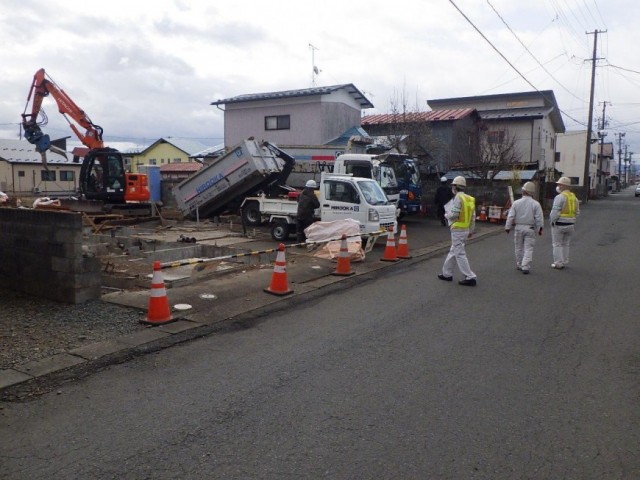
(403, 245)
(279, 285)
(390, 253)
(158, 311)
(343, 267)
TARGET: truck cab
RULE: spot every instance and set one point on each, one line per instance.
(341, 196)
(409, 182)
(368, 166)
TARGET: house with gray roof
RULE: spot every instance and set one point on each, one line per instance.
(532, 119)
(308, 116)
(23, 174)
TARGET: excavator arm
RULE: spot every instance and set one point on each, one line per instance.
(44, 86)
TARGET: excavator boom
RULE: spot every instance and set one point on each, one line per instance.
(102, 176)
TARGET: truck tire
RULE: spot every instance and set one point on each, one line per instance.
(251, 214)
(280, 230)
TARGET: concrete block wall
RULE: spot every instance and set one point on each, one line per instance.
(41, 255)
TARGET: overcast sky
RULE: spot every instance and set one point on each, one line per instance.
(145, 69)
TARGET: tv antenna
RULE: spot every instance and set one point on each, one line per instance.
(314, 70)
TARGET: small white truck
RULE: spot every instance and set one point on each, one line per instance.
(341, 196)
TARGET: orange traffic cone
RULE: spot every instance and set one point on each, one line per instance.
(158, 312)
(403, 245)
(483, 214)
(344, 260)
(390, 254)
(279, 285)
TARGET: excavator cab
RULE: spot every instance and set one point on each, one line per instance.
(103, 177)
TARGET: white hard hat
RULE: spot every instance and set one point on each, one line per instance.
(443, 179)
(530, 188)
(564, 181)
(460, 181)
(311, 184)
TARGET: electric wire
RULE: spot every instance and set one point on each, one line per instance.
(508, 62)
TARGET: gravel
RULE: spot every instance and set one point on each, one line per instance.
(33, 328)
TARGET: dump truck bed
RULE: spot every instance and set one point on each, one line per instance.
(244, 170)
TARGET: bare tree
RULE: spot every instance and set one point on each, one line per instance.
(409, 130)
(486, 152)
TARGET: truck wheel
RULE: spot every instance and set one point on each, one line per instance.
(251, 214)
(280, 231)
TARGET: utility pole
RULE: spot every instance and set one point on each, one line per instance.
(587, 159)
(602, 134)
(620, 135)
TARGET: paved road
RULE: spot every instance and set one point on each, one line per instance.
(403, 376)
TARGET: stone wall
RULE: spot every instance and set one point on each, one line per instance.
(41, 255)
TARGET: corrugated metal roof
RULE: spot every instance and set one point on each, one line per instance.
(515, 113)
(20, 151)
(351, 89)
(409, 117)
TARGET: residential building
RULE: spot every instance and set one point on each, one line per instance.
(571, 158)
(442, 128)
(22, 172)
(162, 152)
(531, 119)
(310, 116)
(315, 125)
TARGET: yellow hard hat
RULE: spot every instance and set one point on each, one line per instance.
(460, 181)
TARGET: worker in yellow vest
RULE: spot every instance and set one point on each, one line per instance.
(460, 213)
(564, 212)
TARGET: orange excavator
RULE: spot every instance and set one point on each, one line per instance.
(102, 175)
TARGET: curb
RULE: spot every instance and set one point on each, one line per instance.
(41, 376)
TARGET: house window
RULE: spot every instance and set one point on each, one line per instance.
(152, 161)
(496, 137)
(177, 160)
(21, 173)
(47, 175)
(278, 122)
(574, 180)
(67, 175)
(557, 159)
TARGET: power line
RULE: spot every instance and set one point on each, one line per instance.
(529, 52)
(507, 60)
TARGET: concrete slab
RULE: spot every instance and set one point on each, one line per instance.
(12, 377)
(145, 336)
(98, 349)
(45, 366)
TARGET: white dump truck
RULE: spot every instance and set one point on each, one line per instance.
(249, 168)
(369, 166)
(341, 196)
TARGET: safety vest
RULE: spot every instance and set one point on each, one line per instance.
(468, 209)
(569, 209)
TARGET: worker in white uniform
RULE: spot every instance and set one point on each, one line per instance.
(526, 215)
(564, 212)
(461, 216)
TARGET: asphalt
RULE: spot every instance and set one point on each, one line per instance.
(219, 302)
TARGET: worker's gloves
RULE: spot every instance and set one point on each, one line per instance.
(507, 230)
(540, 232)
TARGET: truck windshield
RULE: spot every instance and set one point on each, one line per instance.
(372, 192)
(387, 177)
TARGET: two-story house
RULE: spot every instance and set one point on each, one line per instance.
(312, 124)
(532, 120)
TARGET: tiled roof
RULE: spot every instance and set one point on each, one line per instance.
(409, 117)
(181, 167)
(351, 89)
